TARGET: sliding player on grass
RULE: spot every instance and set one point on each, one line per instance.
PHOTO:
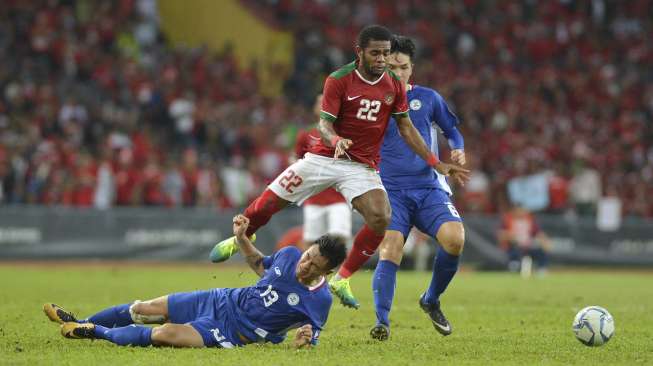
(291, 293)
(418, 197)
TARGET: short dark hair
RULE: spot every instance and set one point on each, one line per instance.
(373, 32)
(333, 248)
(403, 45)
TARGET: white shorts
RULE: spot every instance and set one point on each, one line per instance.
(329, 219)
(315, 173)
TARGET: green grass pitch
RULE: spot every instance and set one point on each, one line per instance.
(498, 318)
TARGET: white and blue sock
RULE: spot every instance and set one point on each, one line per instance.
(445, 267)
(383, 286)
(132, 335)
(117, 316)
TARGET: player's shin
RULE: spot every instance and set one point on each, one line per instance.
(445, 267)
(136, 335)
(383, 286)
(262, 209)
(116, 316)
(365, 244)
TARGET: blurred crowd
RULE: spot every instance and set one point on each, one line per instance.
(96, 109)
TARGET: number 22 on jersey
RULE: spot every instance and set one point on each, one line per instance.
(368, 110)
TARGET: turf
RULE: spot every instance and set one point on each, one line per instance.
(498, 318)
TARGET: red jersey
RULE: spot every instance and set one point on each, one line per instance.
(306, 140)
(360, 110)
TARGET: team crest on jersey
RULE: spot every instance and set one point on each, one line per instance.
(293, 299)
(415, 104)
(277, 271)
(389, 98)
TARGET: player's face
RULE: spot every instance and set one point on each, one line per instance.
(374, 57)
(401, 65)
(312, 264)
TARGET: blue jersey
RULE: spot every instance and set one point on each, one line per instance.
(278, 302)
(400, 167)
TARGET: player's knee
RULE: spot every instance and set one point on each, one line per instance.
(146, 313)
(164, 335)
(379, 221)
(452, 237)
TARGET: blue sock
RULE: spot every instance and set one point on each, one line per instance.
(133, 335)
(445, 267)
(117, 316)
(383, 286)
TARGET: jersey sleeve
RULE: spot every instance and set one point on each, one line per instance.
(332, 99)
(400, 108)
(447, 121)
(270, 259)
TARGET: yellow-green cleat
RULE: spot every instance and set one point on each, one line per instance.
(226, 248)
(342, 290)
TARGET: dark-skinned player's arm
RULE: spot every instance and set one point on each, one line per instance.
(252, 255)
(330, 137)
(415, 141)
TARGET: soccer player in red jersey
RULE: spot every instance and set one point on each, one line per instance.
(358, 100)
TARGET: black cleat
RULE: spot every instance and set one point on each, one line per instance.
(78, 331)
(58, 314)
(440, 322)
(380, 332)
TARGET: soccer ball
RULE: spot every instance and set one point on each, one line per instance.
(593, 326)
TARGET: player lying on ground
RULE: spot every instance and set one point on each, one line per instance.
(291, 294)
(358, 101)
(418, 197)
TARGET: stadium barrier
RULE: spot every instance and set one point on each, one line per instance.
(38, 233)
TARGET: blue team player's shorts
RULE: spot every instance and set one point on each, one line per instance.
(206, 311)
(425, 208)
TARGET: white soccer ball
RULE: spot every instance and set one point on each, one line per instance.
(593, 326)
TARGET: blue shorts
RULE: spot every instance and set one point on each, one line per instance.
(425, 208)
(206, 311)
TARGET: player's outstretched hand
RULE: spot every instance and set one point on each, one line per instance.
(341, 147)
(458, 156)
(303, 336)
(240, 225)
(460, 174)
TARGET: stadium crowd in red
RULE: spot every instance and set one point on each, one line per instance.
(96, 109)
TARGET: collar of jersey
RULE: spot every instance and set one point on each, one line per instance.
(319, 284)
(367, 81)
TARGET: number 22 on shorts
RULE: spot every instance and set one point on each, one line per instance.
(290, 181)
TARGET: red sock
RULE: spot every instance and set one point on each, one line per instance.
(261, 210)
(365, 244)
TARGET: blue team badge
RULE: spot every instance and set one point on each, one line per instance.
(293, 299)
(277, 271)
(415, 104)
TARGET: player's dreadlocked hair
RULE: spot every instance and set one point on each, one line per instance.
(403, 45)
(333, 248)
(373, 32)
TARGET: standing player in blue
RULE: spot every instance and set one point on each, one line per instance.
(419, 196)
(292, 293)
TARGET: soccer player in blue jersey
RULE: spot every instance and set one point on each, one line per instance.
(419, 196)
(291, 293)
